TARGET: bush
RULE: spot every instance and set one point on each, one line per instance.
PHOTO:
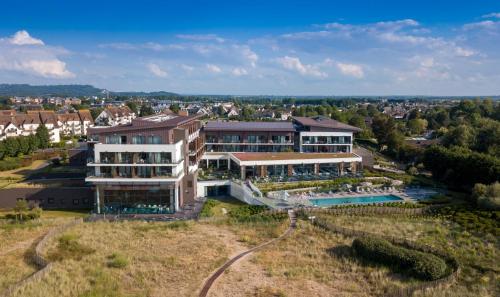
(69, 248)
(418, 264)
(437, 199)
(10, 163)
(483, 221)
(206, 211)
(246, 211)
(254, 213)
(117, 261)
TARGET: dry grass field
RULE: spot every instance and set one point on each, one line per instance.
(135, 258)
(17, 243)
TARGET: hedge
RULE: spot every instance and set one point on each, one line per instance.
(421, 265)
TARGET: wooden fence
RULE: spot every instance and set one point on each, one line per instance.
(39, 259)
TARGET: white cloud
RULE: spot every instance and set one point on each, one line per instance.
(201, 37)
(486, 25)
(156, 70)
(492, 15)
(249, 55)
(238, 71)
(23, 38)
(23, 53)
(294, 63)
(187, 68)
(351, 70)
(213, 68)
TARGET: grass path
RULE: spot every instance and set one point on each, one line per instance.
(210, 281)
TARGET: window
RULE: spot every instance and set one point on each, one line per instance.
(190, 184)
(76, 201)
(113, 139)
(123, 139)
(139, 139)
(154, 139)
(50, 200)
(85, 201)
(231, 138)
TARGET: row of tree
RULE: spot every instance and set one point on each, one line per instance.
(24, 145)
(460, 167)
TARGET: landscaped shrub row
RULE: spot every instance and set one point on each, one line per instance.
(255, 213)
(387, 204)
(268, 187)
(246, 211)
(418, 264)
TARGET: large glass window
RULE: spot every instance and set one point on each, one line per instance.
(107, 158)
(139, 139)
(125, 158)
(277, 170)
(211, 139)
(304, 169)
(280, 139)
(163, 171)
(152, 201)
(125, 171)
(144, 171)
(154, 139)
(113, 139)
(231, 138)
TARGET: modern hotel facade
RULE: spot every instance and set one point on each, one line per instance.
(154, 164)
(148, 166)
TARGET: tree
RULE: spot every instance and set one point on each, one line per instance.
(462, 135)
(146, 110)
(95, 112)
(20, 209)
(417, 125)
(133, 106)
(382, 126)
(42, 133)
(174, 107)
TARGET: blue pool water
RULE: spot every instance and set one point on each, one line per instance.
(354, 200)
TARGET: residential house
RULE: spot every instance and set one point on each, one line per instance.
(114, 116)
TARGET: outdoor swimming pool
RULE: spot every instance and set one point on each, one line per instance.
(354, 200)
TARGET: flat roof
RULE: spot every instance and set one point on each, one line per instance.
(151, 122)
(290, 156)
(325, 122)
(249, 126)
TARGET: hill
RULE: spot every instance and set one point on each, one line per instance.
(70, 90)
(48, 90)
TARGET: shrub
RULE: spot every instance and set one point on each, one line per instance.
(437, 199)
(10, 163)
(206, 211)
(117, 261)
(418, 264)
(69, 248)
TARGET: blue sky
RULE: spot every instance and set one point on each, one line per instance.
(256, 47)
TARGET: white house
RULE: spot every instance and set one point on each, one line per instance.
(114, 116)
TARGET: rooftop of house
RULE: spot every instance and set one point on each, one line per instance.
(249, 126)
(325, 122)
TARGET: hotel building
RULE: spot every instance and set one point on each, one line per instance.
(146, 166)
(160, 163)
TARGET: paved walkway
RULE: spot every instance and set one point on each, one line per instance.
(210, 281)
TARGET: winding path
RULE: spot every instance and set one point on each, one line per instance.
(210, 281)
